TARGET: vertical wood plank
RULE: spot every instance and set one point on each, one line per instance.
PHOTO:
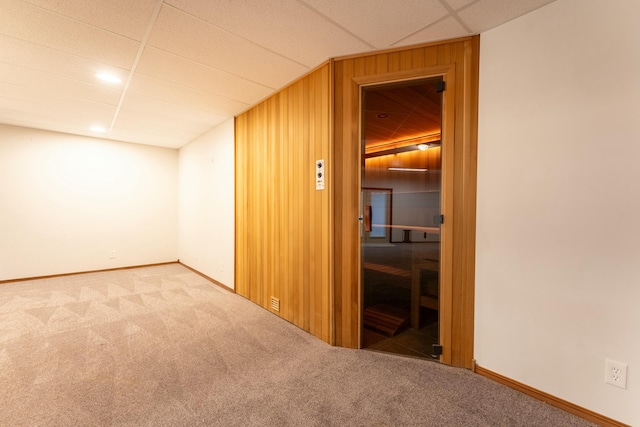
(469, 168)
(338, 201)
(283, 239)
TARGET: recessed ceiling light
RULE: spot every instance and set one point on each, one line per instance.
(382, 116)
(110, 78)
(98, 129)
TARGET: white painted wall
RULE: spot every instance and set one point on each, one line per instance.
(558, 243)
(67, 201)
(207, 218)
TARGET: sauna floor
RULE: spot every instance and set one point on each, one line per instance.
(409, 342)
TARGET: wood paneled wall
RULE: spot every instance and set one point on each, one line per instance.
(301, 245)
(284, 226)
(458, 62)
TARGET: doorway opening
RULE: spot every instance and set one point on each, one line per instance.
(401, 212)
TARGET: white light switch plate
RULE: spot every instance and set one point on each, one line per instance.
(319, 170)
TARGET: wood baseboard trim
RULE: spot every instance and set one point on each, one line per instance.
(574, 409)
(51, 276)
(214, 281)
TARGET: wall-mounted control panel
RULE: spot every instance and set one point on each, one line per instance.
(319, 174)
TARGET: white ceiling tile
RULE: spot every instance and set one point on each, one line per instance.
(133, 121)
(23, 113)
(148, 127)
(156, 139)
(42, 58)
(181, 71)
(35, 121)
(192, 38)
(286, 26)
(381, 22)
(175, 94)
(52, 112)
(130, 130)
(64, 106)
(34, 79)
(125, 17)
(36, 25)
(457, 4)
(487, 14)
(166, 112)
(448, 28)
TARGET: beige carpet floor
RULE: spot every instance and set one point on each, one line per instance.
(162, 346)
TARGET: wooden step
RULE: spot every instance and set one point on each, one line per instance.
(386, 318)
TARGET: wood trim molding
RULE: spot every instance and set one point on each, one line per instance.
(447, 70)
(51, 276)
(331, 204)
(572, 408)
(404, 48)
(214, 281)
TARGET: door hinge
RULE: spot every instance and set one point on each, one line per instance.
(438, 219)
(436, 350)
(441, 86)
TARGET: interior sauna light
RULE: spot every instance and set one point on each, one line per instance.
(408, 169)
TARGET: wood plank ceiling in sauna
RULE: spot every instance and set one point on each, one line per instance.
(402, 114)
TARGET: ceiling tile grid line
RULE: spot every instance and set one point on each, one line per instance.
(123, 17)
(188, 65)
(180, 33)
(452, 10)
(185, 72)
(31, 78)
(289, 27)
(434, 24)
(325, 17)
(456, 16)
(48, 6)
(33, 51)
(143, 43)
(34, 95)
(253, 42)
(486, 14)
(196, 95)
(381, 22)
(207, 66)
(43, 27)
(457, 5)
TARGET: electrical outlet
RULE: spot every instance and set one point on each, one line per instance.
(112, 254)
(615, 373)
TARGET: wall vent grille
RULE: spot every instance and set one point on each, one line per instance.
(275, 304)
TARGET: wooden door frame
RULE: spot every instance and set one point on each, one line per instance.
(447, 73)
(459, 59)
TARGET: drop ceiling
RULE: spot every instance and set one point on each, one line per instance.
(188, 65)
